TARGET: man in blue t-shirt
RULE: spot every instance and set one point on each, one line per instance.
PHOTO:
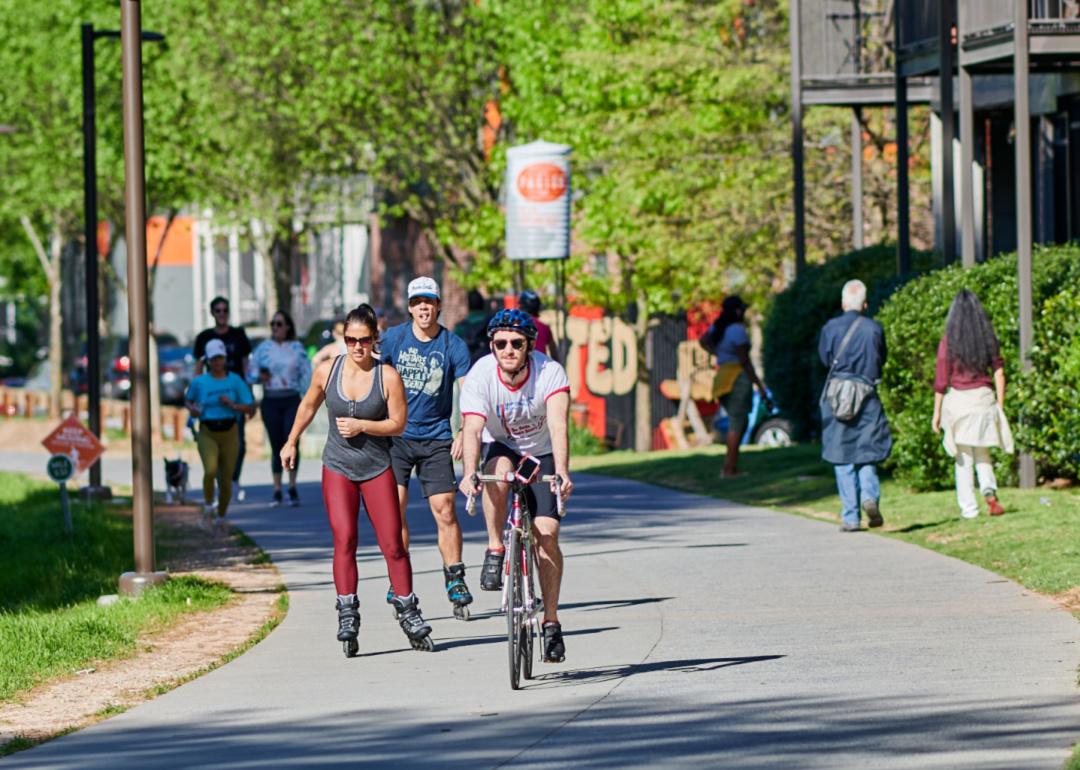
(430, 358)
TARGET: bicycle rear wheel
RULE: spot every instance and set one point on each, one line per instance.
(528, 630)
(514, 608)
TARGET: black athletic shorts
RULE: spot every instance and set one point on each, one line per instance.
(541, 501)
(430, 457)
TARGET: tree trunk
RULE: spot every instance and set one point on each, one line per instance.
(265, 244)
(56, 338)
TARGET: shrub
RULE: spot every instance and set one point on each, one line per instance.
(1050, 419)
(914, 320)
(793, 370)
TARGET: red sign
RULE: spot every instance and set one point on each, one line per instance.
(542, 182)
(75, 440)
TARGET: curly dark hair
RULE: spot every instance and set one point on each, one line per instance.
(969, 334)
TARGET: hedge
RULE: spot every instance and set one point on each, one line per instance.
(914, 320)
(1049, 414)
(792, 323)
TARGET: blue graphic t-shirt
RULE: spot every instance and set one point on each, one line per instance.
(206, 390)
(428, 370)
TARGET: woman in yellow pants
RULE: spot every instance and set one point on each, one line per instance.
(217, 397)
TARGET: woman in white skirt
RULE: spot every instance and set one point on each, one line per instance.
(969, 396)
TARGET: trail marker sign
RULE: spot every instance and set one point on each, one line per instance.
(75, 440)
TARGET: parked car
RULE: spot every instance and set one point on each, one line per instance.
(176, 366)
(115, 366)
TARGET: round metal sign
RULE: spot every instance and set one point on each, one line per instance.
(60, 468)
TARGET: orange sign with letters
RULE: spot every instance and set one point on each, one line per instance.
(75, 440)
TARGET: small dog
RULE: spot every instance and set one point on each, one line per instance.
(176, 477)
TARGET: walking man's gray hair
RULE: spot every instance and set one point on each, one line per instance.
(853, 296)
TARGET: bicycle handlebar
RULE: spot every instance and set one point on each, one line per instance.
(510, 477)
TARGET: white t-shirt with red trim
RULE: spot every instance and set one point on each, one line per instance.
(516, 417)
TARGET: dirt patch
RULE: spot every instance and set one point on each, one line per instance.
(196, 644)
(1070, 599)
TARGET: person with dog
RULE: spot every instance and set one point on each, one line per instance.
(237, 350)
(218, 398)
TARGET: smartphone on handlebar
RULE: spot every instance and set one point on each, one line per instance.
(528, 469)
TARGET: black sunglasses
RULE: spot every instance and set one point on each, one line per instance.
(517, 343)
(219, 310)
(277, 323)
(351, 342)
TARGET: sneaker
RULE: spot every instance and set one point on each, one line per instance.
(873, 513)
(491, 574)
(294, 497)
(220, 525)
(845, 527)
(554, 648)
(994, 505)
(275, 501)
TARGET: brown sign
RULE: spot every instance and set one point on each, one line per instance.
(75, 440)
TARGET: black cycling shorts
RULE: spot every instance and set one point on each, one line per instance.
(430, 457)
(539, 497)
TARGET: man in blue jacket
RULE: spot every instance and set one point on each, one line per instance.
(855, 446)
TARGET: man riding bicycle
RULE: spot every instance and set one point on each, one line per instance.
(522, 398)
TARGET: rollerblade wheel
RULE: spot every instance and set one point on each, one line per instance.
(461, 612)
(351, 647)
(423, 645)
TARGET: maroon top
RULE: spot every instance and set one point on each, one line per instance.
(951, 374)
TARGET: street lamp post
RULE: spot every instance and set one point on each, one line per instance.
(95, 490)
(142, 499)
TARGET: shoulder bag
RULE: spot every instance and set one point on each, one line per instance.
(844, 396)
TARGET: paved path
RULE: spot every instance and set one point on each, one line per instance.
(700, 634)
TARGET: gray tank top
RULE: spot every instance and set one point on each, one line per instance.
(361, 457)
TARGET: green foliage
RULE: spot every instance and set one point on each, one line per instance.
(583, 442)
(1049, 419)
(36, 645)
(793, 370)
(914, 320)
(677, 113)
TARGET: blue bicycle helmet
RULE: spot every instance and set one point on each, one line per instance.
(512, 319)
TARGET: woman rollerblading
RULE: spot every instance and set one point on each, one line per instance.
(365, 402)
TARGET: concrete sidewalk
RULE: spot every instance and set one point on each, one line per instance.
(699, 634)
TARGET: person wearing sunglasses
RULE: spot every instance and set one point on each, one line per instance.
(365, 405)
(430, 359)
(237, 350)
(522, 398)
(281, 365)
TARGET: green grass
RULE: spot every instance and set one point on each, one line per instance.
(1037, 542)
(41, 568)
(1074, 761)
(38, 645)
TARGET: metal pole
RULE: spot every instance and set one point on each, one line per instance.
(797, 137)
(856, 179)
(1022, 146)
(133, 583)
(93, 343)
(967, 169)
(948, 130)
(903, 235)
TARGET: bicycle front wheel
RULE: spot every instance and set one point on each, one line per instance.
(514, 607)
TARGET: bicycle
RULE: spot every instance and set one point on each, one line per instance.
(521, 601)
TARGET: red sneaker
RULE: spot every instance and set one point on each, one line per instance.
(994, 505)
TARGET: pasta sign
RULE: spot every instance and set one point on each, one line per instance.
(538, 201)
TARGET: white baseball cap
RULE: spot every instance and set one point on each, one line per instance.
(423, 287)
(215, 348)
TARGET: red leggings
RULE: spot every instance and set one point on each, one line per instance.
(342, 499)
